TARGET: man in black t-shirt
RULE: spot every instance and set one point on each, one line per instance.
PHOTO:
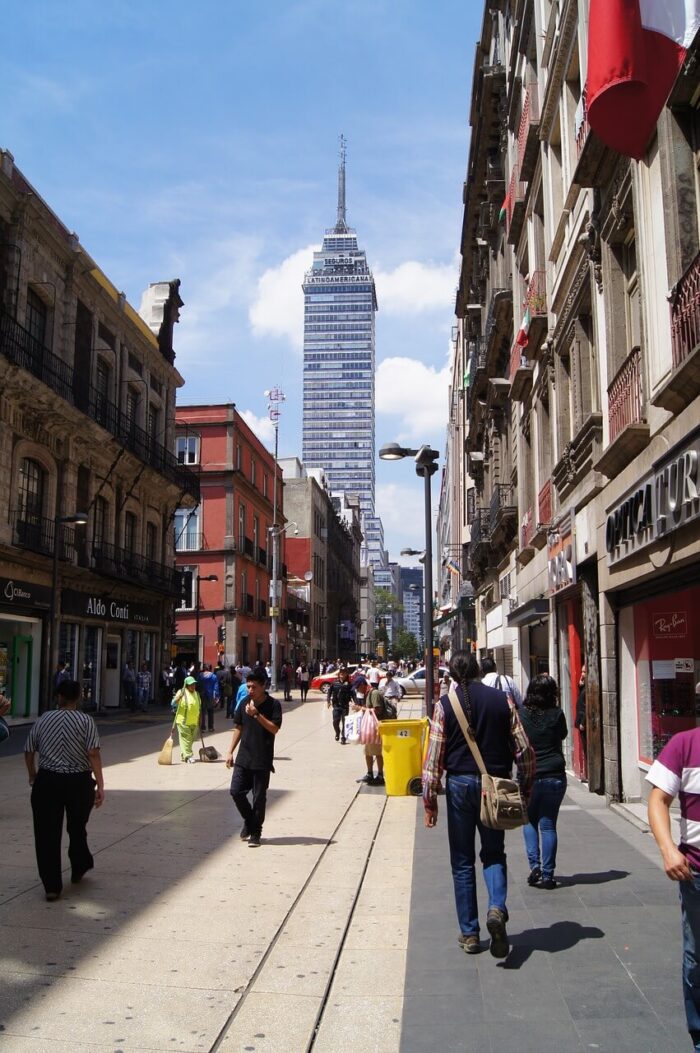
(254, 728)
(340, 695)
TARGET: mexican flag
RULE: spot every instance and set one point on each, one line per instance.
(635, 51)
(522, 337)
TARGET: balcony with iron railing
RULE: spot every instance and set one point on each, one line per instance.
(121, 563)
(683, 385)
(262, 557)
(528, 133)
(519, 373)
(36, 534)
(515, 206)
(628, 429)
(190, 541)
(262, 609)
(591, 163)
(503, 516)
(20, 348)
(248, 548)
(544, 505)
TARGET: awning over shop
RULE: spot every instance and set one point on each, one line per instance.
(527, 613)
(459, 609)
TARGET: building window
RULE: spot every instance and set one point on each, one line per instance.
(153, 422)
(99, 522)
(239, 457)
(129, 532)
(256, 534)
(37, 315)
(187, 530)
(186, 602)
(151, 542)
(187, 449)
(32, 488)
(102, 380)
(135, 364)
(252, 470)
(264, 484)
(106, 336)
(132, 407)
(244, 591)
(241, 526)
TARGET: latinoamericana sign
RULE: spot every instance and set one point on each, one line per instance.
(663, 501)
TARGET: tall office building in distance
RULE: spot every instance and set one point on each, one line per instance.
(340, 303)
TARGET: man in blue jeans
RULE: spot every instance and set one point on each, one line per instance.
(501, 740)
(676, 772)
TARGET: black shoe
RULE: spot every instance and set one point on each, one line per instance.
(343, 741)
(379, 781)
(254, 841)
(496, 924)
(337, 738)
(78, 875)
(547, 883)
(368, 779)
(534, 876)
(245, 833)
(51, 896)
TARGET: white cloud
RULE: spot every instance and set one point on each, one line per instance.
(415, 287)
(402, 512)
(415, 393)
(278, 307)
(262, 427)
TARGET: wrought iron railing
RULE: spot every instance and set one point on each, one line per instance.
(129, 566)
(518, 358)
(529, 115)
(502, 503)
(248, 548)
(262, 609)
(626, 395)
(527, 529)
(262, 557)
(20, 347)
(544, 504)
(190, 541)
(581, 126)
(36, 534)
(515, 194)
(536, 296)
(480, 529)
(685, 314)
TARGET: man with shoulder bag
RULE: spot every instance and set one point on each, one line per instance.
(477, 729)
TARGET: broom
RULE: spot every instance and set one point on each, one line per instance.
(166, 754)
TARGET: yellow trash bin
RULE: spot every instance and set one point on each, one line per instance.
(402, 746)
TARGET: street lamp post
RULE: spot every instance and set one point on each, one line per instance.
(78, 519)
(207, 577)
(425, 459)
(276, 595)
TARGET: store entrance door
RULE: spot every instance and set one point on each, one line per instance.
(21, 676)
(113, 665)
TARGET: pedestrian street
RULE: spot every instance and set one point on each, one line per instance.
(337, 934)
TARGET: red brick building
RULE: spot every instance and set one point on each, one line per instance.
(227, 537)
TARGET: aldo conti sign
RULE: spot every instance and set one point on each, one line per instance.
(662, 502)
(108, 609)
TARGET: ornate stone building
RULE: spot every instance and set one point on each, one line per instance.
(575, 409)
(87, 408)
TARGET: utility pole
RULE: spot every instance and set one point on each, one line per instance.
(275, 396)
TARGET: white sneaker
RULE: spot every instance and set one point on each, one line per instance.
(191, 760)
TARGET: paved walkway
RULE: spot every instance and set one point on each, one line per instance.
(594, 965)
(338, 934)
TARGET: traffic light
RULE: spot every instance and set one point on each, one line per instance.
(221, 634)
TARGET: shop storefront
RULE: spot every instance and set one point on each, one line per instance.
(653, 569)
(98, 635)
(24, 610)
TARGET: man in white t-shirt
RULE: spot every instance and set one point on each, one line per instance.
(492, 678)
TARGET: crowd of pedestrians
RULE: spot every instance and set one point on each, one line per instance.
(481, 722)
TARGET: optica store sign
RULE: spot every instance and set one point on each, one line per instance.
(662, 502)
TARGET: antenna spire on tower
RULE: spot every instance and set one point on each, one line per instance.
(341, 225)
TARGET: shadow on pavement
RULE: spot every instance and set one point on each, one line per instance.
(560, 936)
(593, 879)
(297, 841)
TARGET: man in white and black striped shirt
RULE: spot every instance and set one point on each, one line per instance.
(69, 756)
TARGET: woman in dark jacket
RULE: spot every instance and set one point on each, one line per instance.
(546, 729)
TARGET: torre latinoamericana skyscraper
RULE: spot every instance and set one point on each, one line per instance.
(340, 303)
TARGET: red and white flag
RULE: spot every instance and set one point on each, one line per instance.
(635, 50)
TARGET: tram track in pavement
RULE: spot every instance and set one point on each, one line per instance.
(225, 1034)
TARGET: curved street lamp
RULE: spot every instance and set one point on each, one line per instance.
(425, 458)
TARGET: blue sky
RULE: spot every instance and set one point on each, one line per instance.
(200, 141)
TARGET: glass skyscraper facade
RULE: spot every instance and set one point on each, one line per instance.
(340, 303)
